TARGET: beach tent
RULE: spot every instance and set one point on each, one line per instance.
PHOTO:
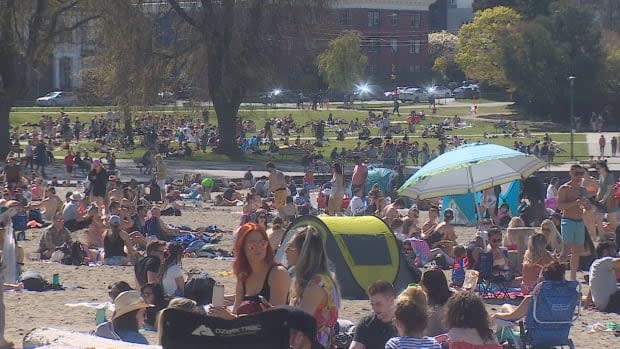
(465, 211)
(362, 249)
(380, 175)
(463, 208)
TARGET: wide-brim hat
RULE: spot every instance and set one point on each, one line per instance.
(76, 196)
(128, 301)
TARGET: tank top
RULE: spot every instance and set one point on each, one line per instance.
(113, 247)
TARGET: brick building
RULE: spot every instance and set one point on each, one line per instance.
(394, 36)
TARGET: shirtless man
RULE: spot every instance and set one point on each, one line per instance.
(51, 205)
(277, 186)
(571, 202)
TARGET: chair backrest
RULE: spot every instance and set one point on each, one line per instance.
(265, 330)
(551, 312)
(486, 265)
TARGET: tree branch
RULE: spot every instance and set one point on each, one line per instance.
(75, 26)
(186, 17)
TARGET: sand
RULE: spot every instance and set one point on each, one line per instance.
(27, 310)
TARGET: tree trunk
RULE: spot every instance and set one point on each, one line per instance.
(5, 142)
(226, 111)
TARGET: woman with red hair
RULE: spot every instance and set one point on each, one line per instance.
(257, 274)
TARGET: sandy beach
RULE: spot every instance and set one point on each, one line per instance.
(27, 310)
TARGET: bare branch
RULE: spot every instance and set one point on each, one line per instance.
(76, 25)
(181, 12)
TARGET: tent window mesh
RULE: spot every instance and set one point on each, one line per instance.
(367, 249)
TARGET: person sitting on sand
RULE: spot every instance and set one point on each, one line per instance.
(153, 294)
(431, 223)
(411, 319)
(74, 220)
(146, 269)
(154, 226)
(276, 232)
(55, 236)
(536, 256)
(115, 241)
(117, 288)
(127, 319)
(375, 329)
(170, 274)
(603, 281)
(50, 205)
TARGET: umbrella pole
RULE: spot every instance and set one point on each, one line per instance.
(473, 190)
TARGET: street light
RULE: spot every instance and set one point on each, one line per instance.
(571, 80)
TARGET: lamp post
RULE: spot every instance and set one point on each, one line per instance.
(571, 80)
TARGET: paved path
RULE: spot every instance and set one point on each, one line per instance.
(594, 150)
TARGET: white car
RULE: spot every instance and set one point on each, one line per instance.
(413, 94)
(439, 91)
(57, 98)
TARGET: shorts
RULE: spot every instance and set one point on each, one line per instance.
(114, 260)
(573, 231)
(279, 198)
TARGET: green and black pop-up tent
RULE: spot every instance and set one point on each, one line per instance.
(363, 249)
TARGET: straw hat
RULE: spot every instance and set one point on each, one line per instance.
(127, 302)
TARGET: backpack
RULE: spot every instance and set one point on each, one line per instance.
(73, 254)
(200, 289)
(33, 281)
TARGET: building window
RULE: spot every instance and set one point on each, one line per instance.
(372, 68)
(414, 68)
(394, 19)
(416, 20)
(344, 17)
(414, 46)
(373, 45)
(373, 18)
(394, 45)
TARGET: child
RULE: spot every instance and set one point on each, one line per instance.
(458, 266)
(410, 321)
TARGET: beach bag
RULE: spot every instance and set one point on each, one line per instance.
(200, 289)
(33, 281)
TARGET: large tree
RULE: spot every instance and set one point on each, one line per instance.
(130, 65)
(442, 47)
(538, 57)
(245, 44)
(479, 50)
(342, 64)
(527, 8)
(28, 33)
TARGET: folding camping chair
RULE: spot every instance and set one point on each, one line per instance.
(550, 314)
(188, 330)
(490, 284)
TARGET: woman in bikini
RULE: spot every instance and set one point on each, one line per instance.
(535, 258)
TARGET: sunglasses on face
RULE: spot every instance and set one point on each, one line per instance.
(254, 244)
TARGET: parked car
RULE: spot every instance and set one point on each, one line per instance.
(57, 98)
(413, 94)
(391, 94)
(439, 91)
(465, 92)
(368, 92)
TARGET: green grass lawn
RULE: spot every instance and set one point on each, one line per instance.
(477, 128)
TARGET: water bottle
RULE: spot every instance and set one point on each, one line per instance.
(56, 280)
(100, 316)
